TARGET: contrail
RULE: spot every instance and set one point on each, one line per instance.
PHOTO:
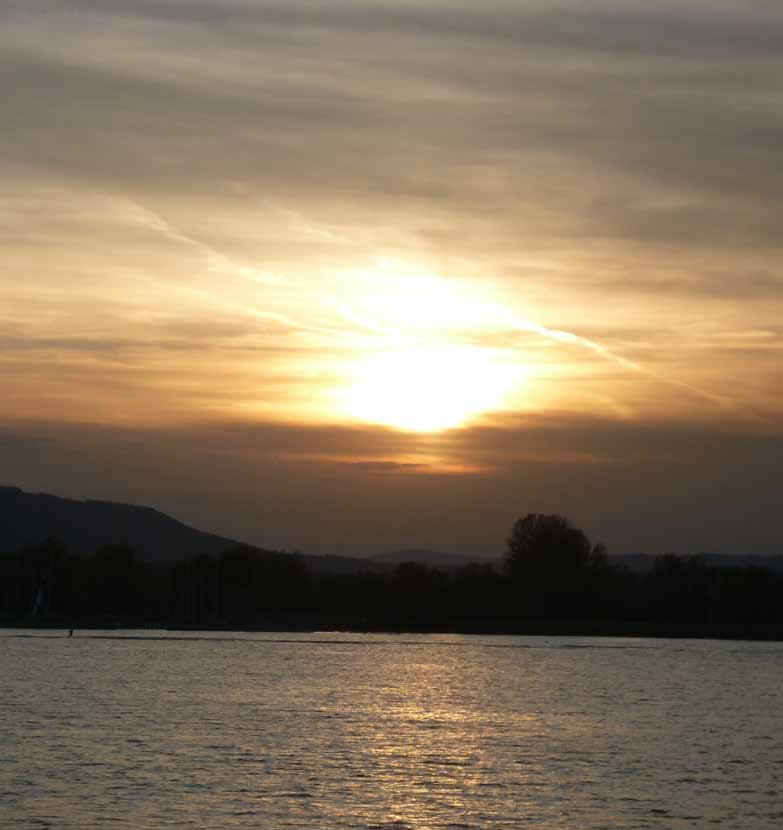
(365, 322)
(216, 261)
(569, 337)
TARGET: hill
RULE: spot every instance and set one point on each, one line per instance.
(26, 519)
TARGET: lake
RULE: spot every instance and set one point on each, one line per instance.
(326, 731)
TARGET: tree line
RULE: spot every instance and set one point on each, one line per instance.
(551, 578)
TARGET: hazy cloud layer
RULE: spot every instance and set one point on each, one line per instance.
(652, 488)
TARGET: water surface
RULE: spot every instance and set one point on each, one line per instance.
(320, 731)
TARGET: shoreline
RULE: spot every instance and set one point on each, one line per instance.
(531, 628)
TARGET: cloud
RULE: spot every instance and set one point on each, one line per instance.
(652, 487)
(640, 99)
(190, 190)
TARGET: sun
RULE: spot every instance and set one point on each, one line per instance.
(420, 359)
(426, 388)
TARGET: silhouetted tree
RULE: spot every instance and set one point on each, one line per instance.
(551, 564)
(257, 584)
(682, 588)
(542, 544)
(112, 581)
(551, 571)
(420, 591)
(478, 590)
(750, 595)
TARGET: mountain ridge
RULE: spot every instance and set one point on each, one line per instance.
(84, 525)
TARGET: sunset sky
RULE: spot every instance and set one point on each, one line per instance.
(349, 276)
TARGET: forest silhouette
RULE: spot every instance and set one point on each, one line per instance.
(551, 579)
